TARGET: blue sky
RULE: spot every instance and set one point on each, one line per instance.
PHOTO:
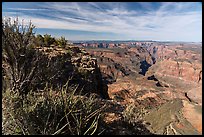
(162, 21)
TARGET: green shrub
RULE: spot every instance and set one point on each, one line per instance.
(39, 40)
(61, 42)
(48, 40)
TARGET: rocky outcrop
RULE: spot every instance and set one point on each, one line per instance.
(73, 64)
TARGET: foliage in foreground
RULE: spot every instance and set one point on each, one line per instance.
(28, 110)
(25, 67)
(50, 113)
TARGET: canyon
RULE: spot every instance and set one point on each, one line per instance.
(147, 87)
(164, 79)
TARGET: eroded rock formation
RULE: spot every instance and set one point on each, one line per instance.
(77, 66)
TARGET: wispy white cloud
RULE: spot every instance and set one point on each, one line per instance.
(26, 9)
(171, 21)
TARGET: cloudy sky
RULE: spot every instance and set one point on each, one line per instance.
(177, 21)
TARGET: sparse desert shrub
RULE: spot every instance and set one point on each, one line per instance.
(50, 113)
(48, 40)
(19, 58)
(26, 68)
(61, 42)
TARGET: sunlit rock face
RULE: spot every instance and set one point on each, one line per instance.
(152, 76)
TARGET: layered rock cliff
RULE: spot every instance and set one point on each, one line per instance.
(156, 75)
